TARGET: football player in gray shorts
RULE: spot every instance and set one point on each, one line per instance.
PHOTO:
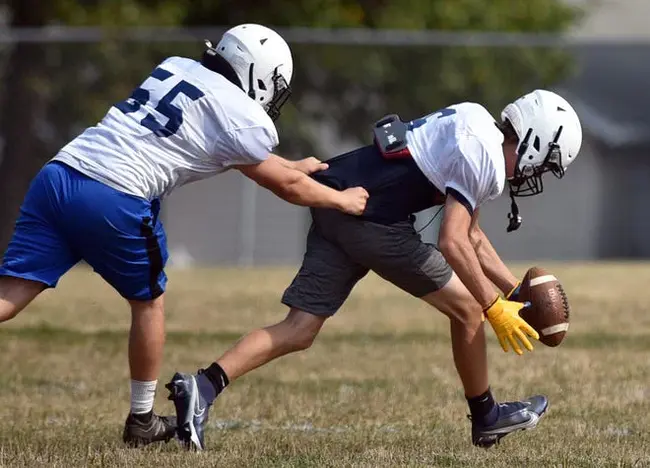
(459, 157)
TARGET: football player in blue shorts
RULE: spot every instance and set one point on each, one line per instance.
(459, 157)
(98, 199)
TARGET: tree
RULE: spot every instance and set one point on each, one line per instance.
(55, 90)
(22, 106)
(52, 91)
(351, 87)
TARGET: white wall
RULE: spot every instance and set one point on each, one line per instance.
(230, 220)
(611, 19)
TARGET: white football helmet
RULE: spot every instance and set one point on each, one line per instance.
(262, 61)
(550, 136)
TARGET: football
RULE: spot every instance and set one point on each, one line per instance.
(549, 311)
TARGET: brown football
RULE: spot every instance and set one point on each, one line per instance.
(549, 310)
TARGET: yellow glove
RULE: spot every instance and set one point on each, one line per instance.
(508, 325)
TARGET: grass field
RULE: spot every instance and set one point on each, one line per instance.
(378, 387)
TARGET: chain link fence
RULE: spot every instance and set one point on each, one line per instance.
(57, 81)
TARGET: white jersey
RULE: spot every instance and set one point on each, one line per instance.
(460, 148)
(185, 123)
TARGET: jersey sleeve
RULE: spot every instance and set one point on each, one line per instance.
(242, 132)
(252, 145)
(472, 175)
(245, 145)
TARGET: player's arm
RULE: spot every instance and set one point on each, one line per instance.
(298, 188)
(492, 265)
(456, 246)
(251, 154)
(306, 166)
(284, 162)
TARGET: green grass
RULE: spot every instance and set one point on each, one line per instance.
(378, 388)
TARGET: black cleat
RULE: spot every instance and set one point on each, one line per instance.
(191, 410)
(513, 416)
(158, 429)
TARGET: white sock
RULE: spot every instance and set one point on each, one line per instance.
(142, 396)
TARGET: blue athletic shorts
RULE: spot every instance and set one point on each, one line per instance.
(67, 217)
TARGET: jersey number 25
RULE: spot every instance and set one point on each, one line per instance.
(164, 106)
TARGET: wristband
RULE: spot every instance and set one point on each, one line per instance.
(490, 306)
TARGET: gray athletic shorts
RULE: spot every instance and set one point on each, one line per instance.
(341, 249)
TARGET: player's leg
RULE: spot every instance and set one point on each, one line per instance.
(16, 294)
(145, 353)
(194, 394)
(467, 332)
(146, 343)
(38, 254)
(319, 289)
(123, 240)
(296, 332)
(490, 420)
(397, 254)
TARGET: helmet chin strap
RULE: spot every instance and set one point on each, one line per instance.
(514, 218)
(251, 87)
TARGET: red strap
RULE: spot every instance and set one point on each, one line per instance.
(401, 154)
(404, 153)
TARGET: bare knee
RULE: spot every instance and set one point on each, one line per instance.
(147, 308)
(301, 329)
(148, 319)
(457, 303)
(303, 340)
(466, 329)
(16, 294)
(466, 316)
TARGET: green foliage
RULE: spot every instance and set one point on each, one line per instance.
(494, 15)
(119, 13)
(351, 86)
(359, 84)
(54, 90)
(348, 87)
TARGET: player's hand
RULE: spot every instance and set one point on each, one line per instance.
(310, 165)
(353, 200)
(509, 327)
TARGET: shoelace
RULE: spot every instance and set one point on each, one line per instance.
(565, 301)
